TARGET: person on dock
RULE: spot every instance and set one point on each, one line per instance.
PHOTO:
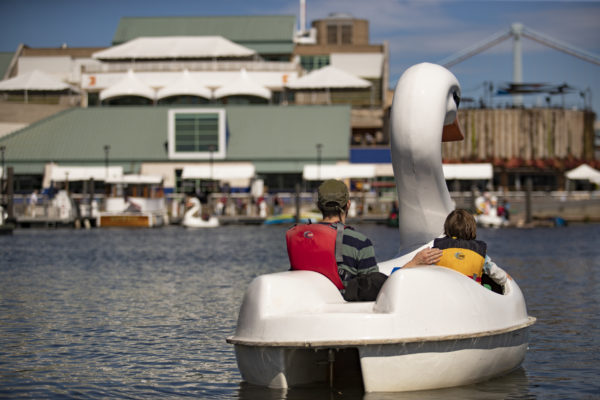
(33, 199)
(342, 254)
(464, 253)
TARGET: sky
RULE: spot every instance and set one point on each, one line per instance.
(416, 31)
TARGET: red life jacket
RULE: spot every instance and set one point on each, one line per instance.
(312, 247)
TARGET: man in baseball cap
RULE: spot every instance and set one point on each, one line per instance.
(338, 251)
(333, 198)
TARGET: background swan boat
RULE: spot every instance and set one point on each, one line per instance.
(5, 227)
(193, 216)
(430, 327)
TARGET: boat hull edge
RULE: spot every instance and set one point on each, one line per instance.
(394, 367)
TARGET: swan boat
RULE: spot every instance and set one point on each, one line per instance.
(193, 216)
(430, 327)
(490, 221)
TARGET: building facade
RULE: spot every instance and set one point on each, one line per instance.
(245, 90)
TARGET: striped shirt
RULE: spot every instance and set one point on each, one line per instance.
(358, 255)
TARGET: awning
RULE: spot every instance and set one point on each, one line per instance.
(130, 85)
(170, 47)
(584, 172)
(366, 65)
(365, 171)
(468, 171)
(34, 80)
(56, 173)
(241, 86)
(133, 179)
(236, 174)
(313, 172)
(328, 77)
(185, 85)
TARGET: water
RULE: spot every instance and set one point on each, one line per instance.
(120, 313)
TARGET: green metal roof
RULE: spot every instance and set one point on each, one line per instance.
(267, 34)
(271, 136)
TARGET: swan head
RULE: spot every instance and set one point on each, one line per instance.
(192, 201)
(423, 115)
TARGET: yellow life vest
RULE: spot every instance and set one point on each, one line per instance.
(465, 256)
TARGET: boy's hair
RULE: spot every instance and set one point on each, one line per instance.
(333, 212)
(460, 224)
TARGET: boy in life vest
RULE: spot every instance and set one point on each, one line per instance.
(339, 252)
(463, 253)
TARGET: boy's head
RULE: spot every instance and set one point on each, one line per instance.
(333, 198)
(460, 224)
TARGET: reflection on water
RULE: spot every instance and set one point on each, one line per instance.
(145, 313)
(512, 385)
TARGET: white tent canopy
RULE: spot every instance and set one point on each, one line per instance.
(468, 171)
(237, 174)
(56, 173)
(169, 47)
(134, 179)
(368, 65)
(34, 80)
(314, 172)
(365, 171)
(584, 172)
(130, 85)
(184, 85)
(328, 77)
(243, 85)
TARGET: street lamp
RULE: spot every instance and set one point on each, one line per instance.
(319, 148)
(211, 149)
(106, 151)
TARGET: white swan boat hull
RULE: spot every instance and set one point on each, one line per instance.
(490, 221)
(430, 327)
(197, 222)
(417, 335)
(193, 216)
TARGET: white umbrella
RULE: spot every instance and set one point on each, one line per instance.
(584, 172)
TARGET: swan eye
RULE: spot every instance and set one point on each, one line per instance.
(456, 98)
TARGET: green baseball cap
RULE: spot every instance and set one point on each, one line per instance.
(333, 194)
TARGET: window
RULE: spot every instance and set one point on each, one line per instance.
(332, 32)
(346, 34)
(310, 63)
(197, 134)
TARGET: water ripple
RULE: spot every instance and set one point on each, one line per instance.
(145, 313)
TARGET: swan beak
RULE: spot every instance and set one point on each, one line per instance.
(452, 132)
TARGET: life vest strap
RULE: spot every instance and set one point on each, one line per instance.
(339, 242)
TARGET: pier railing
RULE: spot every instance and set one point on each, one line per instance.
(367, 206)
